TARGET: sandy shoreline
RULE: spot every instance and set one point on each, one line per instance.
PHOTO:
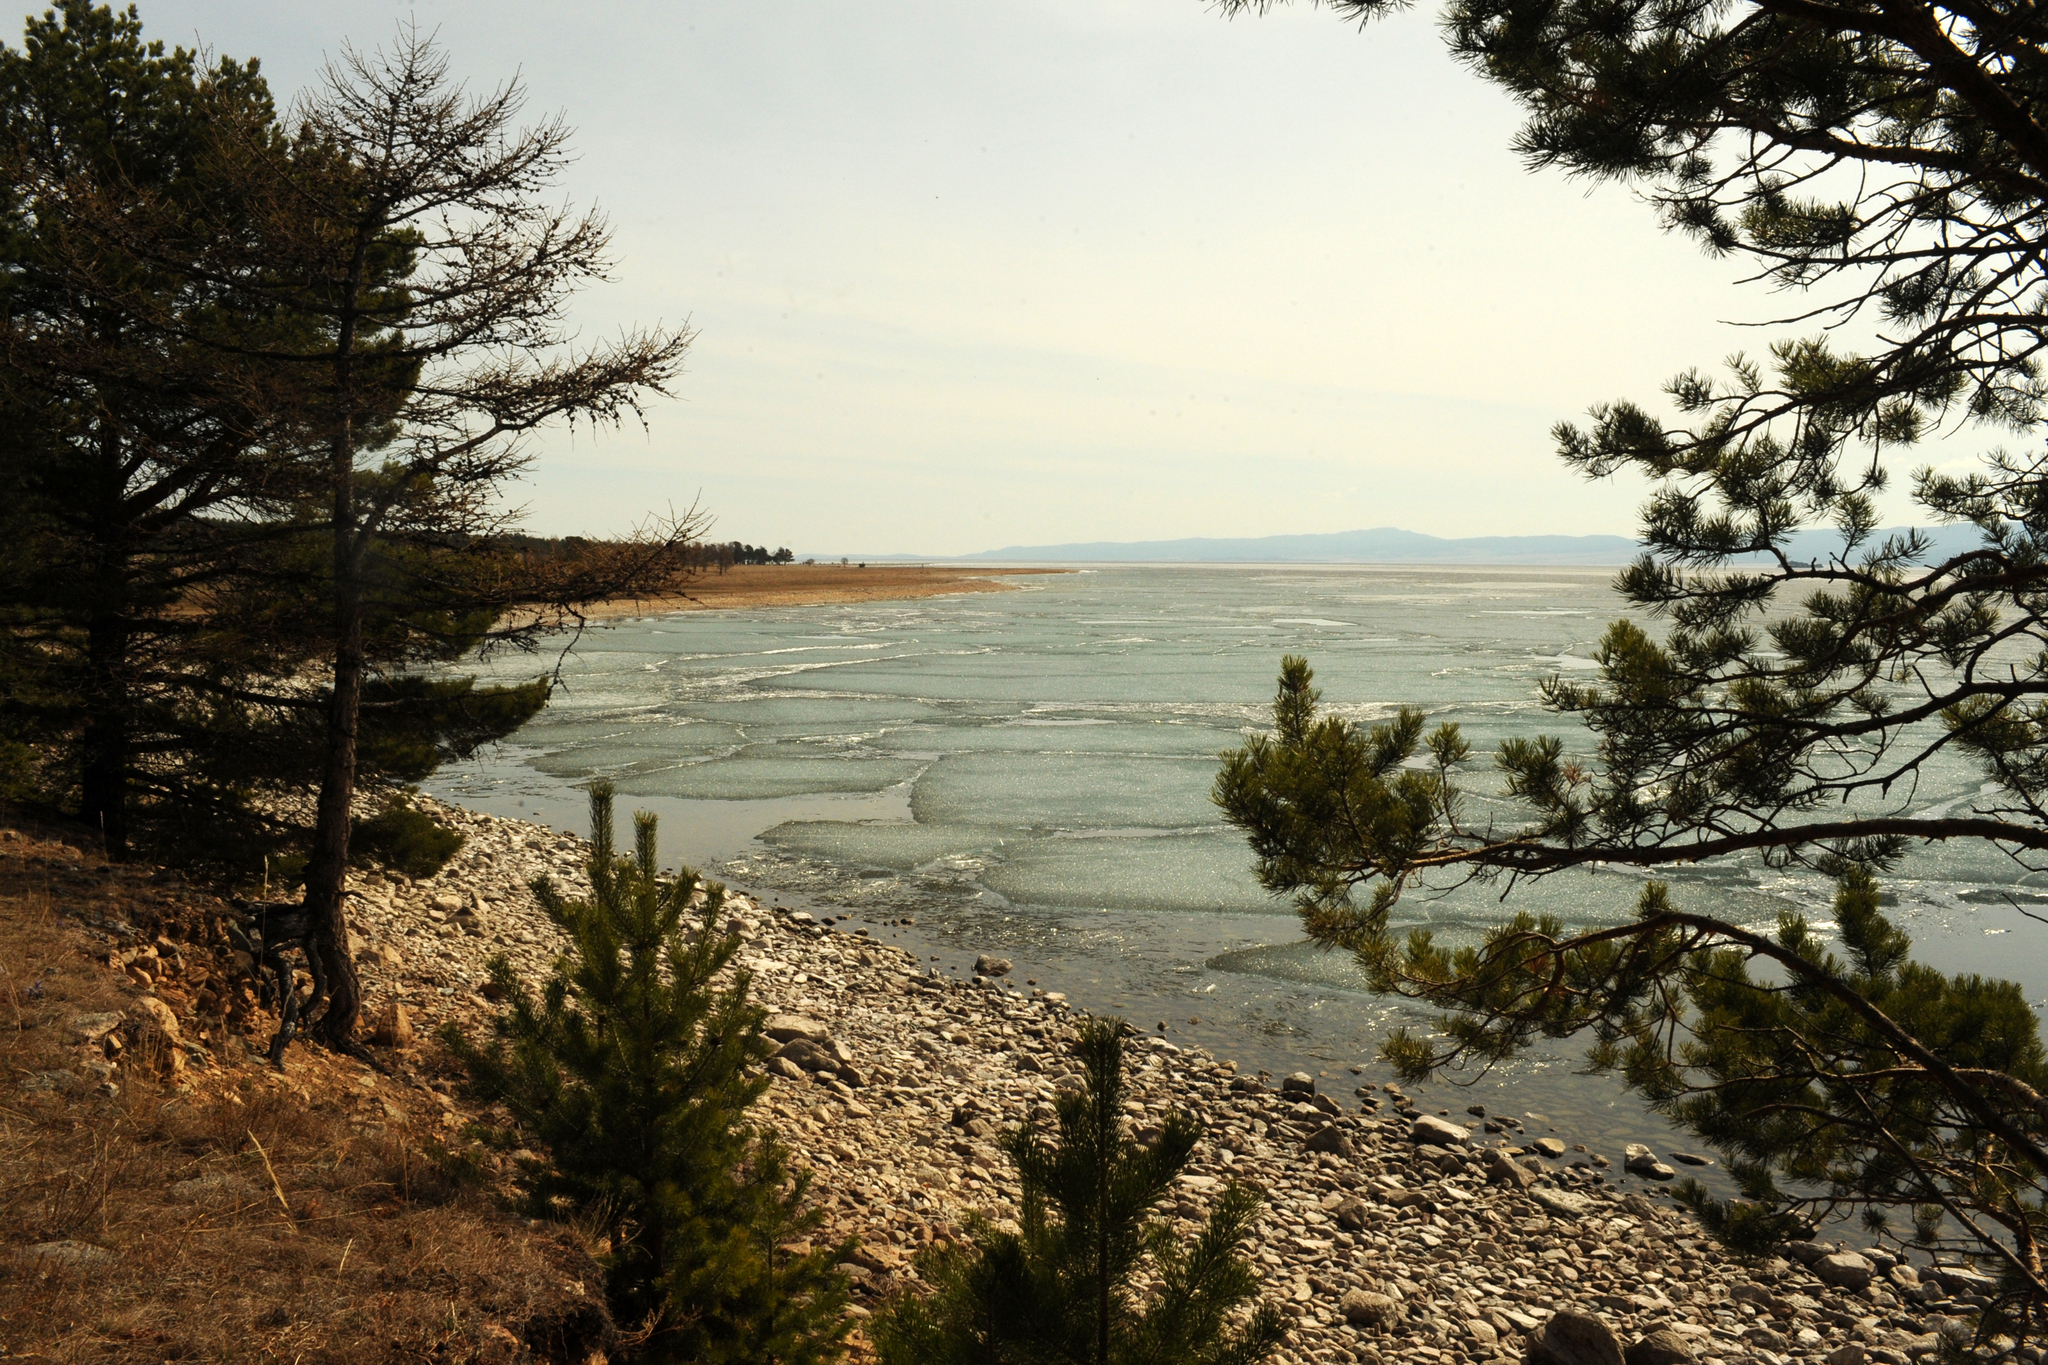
(1390, 1234)
(799, 585)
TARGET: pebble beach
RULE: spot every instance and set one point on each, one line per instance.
(1391, 1234)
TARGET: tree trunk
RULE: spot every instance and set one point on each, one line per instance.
(327, 865)
(104, 779)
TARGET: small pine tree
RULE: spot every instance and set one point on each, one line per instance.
(1064, 1287)
(633, 1072)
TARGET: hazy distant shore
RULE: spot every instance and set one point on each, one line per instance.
(816, 585)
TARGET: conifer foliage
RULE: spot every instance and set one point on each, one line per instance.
(633, 1071)
(1858, 1082)
(1066, 1286)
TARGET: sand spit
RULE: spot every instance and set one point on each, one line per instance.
(816, 585)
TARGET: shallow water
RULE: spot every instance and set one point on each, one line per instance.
(1027, 773)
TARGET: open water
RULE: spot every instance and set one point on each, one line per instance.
(1027, 773)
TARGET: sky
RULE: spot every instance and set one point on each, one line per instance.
(967, 275)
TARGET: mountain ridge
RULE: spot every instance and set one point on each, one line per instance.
(1393, 545)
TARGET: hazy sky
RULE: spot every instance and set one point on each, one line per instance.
(971, 274)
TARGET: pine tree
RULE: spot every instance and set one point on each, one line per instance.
(633, 1072)
(1861, 1083)
(1065, 1287)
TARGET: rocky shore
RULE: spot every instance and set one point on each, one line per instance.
(1392, 1234)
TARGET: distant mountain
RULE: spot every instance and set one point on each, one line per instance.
(1391, 545)
(1383, 545)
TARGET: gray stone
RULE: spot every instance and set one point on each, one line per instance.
(1956, 1280)
(1640, 1160)
(1352, 1215)
(1572, 1338)
(1851, 1354)
(1661, 1347)
(991, 966)
(785, 1028)
(1690, 1159)
(1364, 1308)
(1563, 1203)
(69, 1252)
(1806, 1253)
(1845, 1270)
(91, 1028)
(1300, 1083)
(1428, 1130)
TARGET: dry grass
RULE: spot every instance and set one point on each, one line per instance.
(800, 585)
(363, 1248)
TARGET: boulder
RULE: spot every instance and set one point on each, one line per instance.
(150, 1012)
(991, 966)
(1329, 1139)
(1957, 1280)
(1352, 1215)
(784, 1028)
(1806, 1253)
(393, 1028)
(1501, 1169)
(1364, 1308)
(1300, 1083)
(808, 1055)
(152, 1034)
(1640, 1160)
(1661, 1347)
(1428, 1130)
(1850, 1354)
(92, 1028)
(1845, 1270)
(1571, 1338)
(1550, 1147)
